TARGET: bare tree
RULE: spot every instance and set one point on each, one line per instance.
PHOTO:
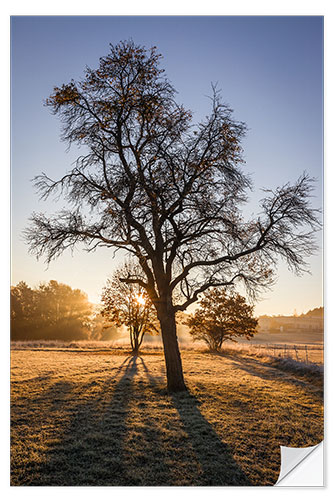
(221, 316)
(129, 304)
(166, 191)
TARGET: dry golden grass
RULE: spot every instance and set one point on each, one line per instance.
(313, 354)
(104, 418)
(309, 353)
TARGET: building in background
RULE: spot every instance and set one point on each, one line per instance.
(311, 321)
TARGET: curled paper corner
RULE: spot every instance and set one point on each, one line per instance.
(302, 466)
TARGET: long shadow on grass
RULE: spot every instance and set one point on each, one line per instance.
(89, 446)
(111, 437)
(217, 466)
(93, 438)
(267, 371)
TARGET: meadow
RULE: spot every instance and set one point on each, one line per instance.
(97, 416)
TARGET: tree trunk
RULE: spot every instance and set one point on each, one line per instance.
(174, 370)
(135, 351)
(135, 343)
(131, 336)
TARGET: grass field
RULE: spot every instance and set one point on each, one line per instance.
(101, 417)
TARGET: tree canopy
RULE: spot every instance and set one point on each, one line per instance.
(222, 316)
(129, 304)
(50, 311)
(166, 190)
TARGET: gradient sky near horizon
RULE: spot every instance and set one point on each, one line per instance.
(270, 71)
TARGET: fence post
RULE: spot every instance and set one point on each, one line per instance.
(296, 353)
(306, 354)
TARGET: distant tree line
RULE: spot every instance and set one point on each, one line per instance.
(50, 311)
(317, 312)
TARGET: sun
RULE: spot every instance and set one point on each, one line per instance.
(139, 298)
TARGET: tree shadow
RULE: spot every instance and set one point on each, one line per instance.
(217, 465)
(111, 434)
(266, 371)
(87, 446)
(157, 382)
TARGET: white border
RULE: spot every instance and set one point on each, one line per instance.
(142, 7)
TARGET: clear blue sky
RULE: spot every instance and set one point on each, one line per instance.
(270, 72)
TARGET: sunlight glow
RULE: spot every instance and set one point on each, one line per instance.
(139, 298)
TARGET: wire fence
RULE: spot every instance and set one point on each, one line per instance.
(307, 353)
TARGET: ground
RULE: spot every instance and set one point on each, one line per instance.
(97, 417)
